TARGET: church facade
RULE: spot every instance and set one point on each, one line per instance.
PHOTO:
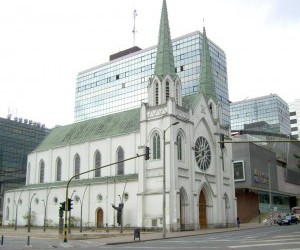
(187, 182)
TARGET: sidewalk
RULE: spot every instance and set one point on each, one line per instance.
(112, 238)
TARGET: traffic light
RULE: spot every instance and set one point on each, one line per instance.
(62, 206)
(147, 153)
(222, 138)
(70, 204)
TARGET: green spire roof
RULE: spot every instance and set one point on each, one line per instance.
(164, 57)
(207, 85)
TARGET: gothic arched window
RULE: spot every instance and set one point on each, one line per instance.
(156, 93)
(77, 165)
(42, 171)
(156, 146)
(58, 169)
(179, 147)
(120, 156)
(167, 91)
(97, 164)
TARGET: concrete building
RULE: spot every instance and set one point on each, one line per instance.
(186, 184)
(267, 179)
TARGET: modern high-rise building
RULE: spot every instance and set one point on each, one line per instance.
(265, 114)
(121, 84)
(295, 118)
(18, 137)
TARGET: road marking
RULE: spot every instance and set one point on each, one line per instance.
(262, 244)
(172, 247)
(285, 236)
(290, 249)
(275, 240)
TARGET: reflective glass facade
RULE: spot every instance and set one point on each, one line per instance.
(268, 114)
(121, 84)
(18, 137)
(295, 118)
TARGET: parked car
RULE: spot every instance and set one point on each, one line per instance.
(287, 220)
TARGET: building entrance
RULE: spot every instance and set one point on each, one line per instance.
(202, 210)
(99, 217)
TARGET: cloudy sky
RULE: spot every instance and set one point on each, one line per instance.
(45, 43)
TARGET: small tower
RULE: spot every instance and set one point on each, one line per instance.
(165, 84)
(207, 84)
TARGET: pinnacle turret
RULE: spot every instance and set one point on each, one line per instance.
(164, 58)
(207, 85)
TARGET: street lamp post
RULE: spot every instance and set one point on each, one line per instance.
(45, 206)
(29, 213)
(16, 219)
(164, 179)
(81, 204)
(44, 214)
(270, 194)
(17, 204)
(69, 228)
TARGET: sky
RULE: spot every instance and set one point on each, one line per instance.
(44, 44)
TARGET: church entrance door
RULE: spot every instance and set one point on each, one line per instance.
(202, 210)
(99, 217)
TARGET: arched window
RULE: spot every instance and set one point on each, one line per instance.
(58, 169)
(177, 93)
(42, 171)
(97, 164)
(156, 146)
(179, 147)
(167, 91)
(210, 108)
(77, 165)
(7, 213)
(120, 155)
(156, 93)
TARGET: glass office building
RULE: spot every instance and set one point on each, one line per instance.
(121, 83)
(18, 137)
(295, 118)
(266, 114)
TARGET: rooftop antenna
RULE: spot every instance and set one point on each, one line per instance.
(134, 30)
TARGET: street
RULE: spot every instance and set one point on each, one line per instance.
(267, 238)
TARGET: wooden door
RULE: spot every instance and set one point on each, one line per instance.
(202, 211)
(99, 217)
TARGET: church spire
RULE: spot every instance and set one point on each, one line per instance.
(207, 85)
(164, 57)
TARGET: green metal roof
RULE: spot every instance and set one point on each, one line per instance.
(103, 127)
(94, 129)
(207, 85)
(164, 59)
(190, 101)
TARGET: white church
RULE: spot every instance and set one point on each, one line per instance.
(187, 182)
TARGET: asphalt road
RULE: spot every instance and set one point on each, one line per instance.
(266, 238)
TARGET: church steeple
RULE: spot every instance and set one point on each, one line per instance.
(164, 57)
(165, 85)
(207, 85)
